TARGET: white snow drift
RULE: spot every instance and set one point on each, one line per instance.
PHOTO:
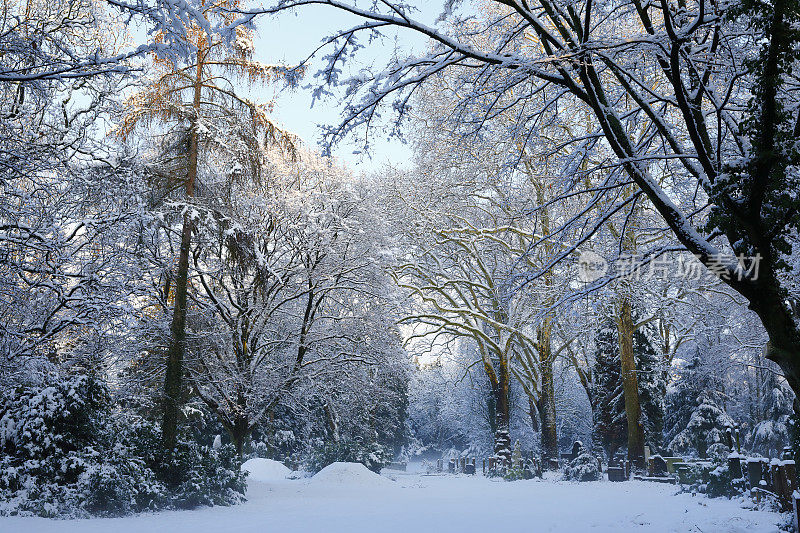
(265, 470)
(352, 474)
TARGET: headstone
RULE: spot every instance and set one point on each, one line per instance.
(658, 466)
(766, 475)
(791, 474)
(616, 473)
(753, 472)
(671, 462)
(577, 448)
(451, 466)
(796, 509)
(734, 466)
(469, 468)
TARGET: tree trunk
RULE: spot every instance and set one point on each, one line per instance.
(331, 422)
(239, 433)
(174, 372)
(502, 435)
(546, 404)
(630, 384)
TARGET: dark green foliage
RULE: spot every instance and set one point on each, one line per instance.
(763, 186)
(583, 468)
(652, 386)
(371, 454)
(62, 454)
(771, 434)
(610, 422)
(608, 401)
(793, 426)
(65, 452)
(706, 426)
(389, 415)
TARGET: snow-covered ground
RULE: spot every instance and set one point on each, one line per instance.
(348, 498)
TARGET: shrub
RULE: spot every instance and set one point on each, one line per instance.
(371, 454)
(61, 457)
(583, 468)
(64, 453)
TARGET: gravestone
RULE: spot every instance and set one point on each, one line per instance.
(577, 448)
(658, 466)
(753, 472)
(469, 468)
(735, 466)
(451, 466)
(616, 473)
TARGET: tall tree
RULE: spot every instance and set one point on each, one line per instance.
(194, 97)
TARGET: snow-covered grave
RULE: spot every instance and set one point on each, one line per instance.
(265, 469)
(346, 497)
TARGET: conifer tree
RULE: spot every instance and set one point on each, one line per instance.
(608, 402)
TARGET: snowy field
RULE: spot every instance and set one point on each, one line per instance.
(346, 498)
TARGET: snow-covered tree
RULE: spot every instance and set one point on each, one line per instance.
(195, 99)
(288, 277)
(709, 145)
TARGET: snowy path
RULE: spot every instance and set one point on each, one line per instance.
(438, 504)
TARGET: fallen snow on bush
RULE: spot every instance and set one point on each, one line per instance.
(350, 474)
(265, 469)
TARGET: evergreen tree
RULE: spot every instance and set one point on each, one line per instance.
(608, 402)
(652, 387)
(770, 435)
(694, 417)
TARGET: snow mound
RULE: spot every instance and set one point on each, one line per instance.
(350, 474)
(265, 469)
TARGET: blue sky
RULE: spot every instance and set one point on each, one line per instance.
(291, 37)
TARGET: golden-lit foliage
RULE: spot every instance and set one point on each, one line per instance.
(203, 85)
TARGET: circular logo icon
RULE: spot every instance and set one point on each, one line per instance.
(591, 266)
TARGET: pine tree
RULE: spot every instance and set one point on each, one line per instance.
(652, 387)
(770, 435)
(608, 402)
(694, 416)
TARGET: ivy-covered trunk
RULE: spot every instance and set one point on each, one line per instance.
(546, 403)
(173, 378)
(630, 384)
(502, 435)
